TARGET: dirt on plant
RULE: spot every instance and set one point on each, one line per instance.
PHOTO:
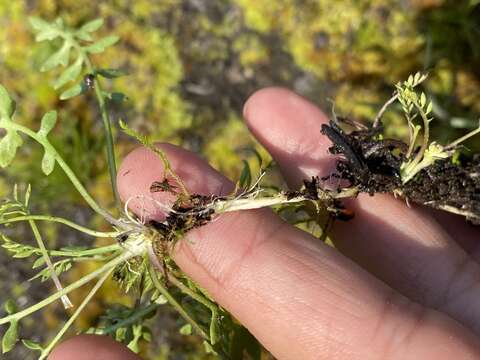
(372, 165)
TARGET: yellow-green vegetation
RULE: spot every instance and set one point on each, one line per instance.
(192, 64)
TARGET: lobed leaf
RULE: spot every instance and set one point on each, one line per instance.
(7, 105)
(69, 74)
(59, 267)
(32, 345)
(117, 97)
(10, 307)
(48, 162)
(100, 45)
(11, 337)
(39, 262)
(72, 92)
(61, 57)
(92, 26)
(8, 147)
(111, 73)
(39, 24)
(186, 329)
(47, 123)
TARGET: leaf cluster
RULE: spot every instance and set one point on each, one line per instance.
(75, 47)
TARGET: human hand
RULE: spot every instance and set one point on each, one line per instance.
(301, 298)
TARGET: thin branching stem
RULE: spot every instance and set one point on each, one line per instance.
(378, 118)
(112, 167)
(84, 280)
(38, 237)
(64, 222)
(88, 252)
(463, 138)
(75, 315)
(175, 303)
(68, 171)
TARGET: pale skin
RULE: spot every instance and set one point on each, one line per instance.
(402, 283)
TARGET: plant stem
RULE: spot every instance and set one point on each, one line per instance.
(38, 237)
(77, 312)
(64, 222)
(175, 303)
(202, 300)
(463, 138)
(378, 118)
(68, 171)
(85, 253)
(279, 199)
(112, 166)
(84, 280)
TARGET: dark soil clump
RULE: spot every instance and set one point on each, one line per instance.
(448, 184)
(372, 165)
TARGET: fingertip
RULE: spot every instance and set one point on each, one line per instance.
(87, 347)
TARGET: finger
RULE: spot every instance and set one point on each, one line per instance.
(466, 235)
(88, 347)
(301, 299)
(404, 247)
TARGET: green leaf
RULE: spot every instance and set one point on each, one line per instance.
(10, 307)
(38, 24)
(39, 262)
(48, 163)
(70, 74)
(245, 176)
(72, 92)
(85, 36)
(111, 73)
(429, 108)
(32, 345)
(8, 147)
(92, 26)
(117, 97)
(102, 44)
(11, 337)
(186, 329)
(7, 105)
(48, 123)
(61, 57)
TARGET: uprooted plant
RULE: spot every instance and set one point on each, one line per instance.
(138, 256)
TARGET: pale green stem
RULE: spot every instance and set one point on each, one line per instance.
(279, 199)
(68, 171)
(75, 315)
(63, 221)
(175, 304)
(38, 237)
(378, 118)
(463, 138)
(202, 300)
(426, 135)
(112, 167)
(413, 139)
(84, 280)
(86, 253)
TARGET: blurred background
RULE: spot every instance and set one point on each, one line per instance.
(192, 64)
